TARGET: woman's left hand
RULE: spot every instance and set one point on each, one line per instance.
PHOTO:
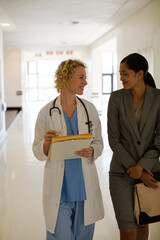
(135, 172)
(85, 152)
(149, 180)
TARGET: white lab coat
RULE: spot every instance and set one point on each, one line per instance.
(54, 170)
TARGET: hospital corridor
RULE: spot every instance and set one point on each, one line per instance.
(39, 39)
(21, 175)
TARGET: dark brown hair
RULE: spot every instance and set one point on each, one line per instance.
(137, 62)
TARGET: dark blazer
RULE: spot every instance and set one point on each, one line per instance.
(129, 144)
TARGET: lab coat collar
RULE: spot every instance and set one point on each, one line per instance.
(81, 115)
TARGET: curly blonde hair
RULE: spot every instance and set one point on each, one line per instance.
(65, 72)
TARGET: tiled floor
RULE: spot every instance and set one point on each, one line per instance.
(21, 216)
(10, 117)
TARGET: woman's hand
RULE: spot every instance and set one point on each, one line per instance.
(149, 180)
(47, 140)
(85, 152)
(135, 172)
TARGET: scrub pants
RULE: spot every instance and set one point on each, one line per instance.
(70, 223)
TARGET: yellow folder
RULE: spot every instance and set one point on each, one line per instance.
(64, 147)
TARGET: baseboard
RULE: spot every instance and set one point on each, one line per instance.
(14, 108)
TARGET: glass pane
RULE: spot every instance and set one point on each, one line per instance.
(107, 84)
(32, 68)
(32, 94)
(107, 61)
(46, 72)
(32, 81)
(47, 94)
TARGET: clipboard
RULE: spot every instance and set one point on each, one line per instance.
(64, 147)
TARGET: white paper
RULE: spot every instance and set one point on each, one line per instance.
(66, 149)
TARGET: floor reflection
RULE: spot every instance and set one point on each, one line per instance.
(21, 175)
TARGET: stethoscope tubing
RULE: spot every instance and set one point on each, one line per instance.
(88, 120)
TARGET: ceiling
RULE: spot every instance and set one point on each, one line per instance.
(50, 24)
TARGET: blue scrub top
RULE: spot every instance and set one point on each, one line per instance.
(73, 188)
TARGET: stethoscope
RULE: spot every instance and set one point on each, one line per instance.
(89, 123)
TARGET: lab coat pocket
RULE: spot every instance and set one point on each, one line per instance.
(47, 181)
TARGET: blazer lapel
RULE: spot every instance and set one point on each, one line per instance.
(148, 100)
(127, 97)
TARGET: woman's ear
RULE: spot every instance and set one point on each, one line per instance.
(140, 74)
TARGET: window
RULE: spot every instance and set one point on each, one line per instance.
(40, 80)
(32, 68)
(109, 69)
(107, 83)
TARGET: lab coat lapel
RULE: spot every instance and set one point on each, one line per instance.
(127, 97)
(148, 100)
(58, 104)
(81, 115)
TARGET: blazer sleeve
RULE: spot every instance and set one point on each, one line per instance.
(151, 156)
(121, 155)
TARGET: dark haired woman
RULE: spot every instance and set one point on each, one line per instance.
(133, 127)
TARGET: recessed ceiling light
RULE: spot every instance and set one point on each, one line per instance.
(5, 24)
(70, 22)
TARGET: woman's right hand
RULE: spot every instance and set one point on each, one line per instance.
(47, 140)
(149, 180)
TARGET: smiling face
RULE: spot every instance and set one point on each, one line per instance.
(130, 79)
(78, 81)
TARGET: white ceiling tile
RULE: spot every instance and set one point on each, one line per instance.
(40, 22)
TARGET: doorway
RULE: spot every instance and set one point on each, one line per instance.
(39, 84)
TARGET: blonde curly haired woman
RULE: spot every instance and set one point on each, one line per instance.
(71, 193)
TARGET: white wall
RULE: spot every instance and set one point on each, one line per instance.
(141, 30)
(2, 113)
(12, 77)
